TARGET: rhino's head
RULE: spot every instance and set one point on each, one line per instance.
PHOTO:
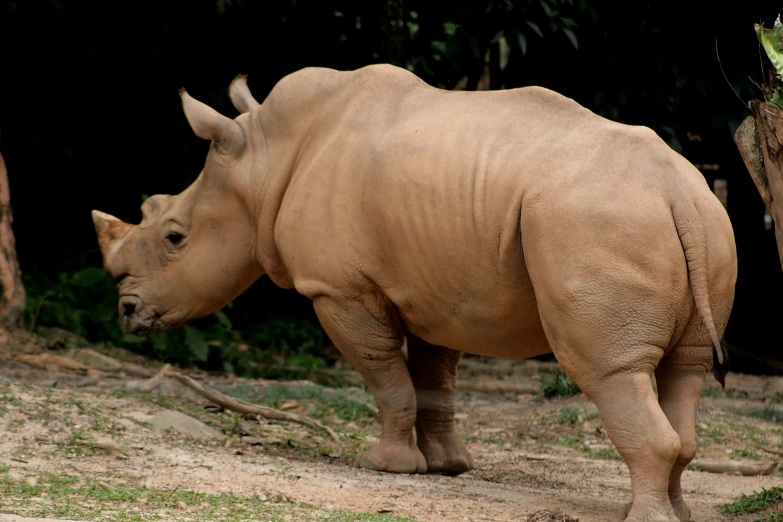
(194, 252)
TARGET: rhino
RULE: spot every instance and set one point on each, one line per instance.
(510, 223)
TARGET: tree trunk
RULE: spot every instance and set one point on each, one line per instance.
(12, 294)
(760, 142)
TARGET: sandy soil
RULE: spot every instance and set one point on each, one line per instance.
(531, 454)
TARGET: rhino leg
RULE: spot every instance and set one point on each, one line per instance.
(640, 431)
(434, 373)
(370, 338)
(680, 378)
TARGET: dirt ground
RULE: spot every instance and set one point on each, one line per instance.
(536, 459)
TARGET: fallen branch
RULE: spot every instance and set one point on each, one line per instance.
(103, 362)
(52, 360)
(109, 447)
(244, 407)
(156, 380)
(734, 466)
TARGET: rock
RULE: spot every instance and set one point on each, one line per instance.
(184, 424)
(96, 360)
(57, 338)
(550, 516)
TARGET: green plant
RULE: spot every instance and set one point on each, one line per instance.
(745, 454)
(84, 302)
(753, 503)
(768, 413)
(557, 384)
(568, 415)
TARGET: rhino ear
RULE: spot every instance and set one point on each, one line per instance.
(209, 124)
(111, 231)
(240, 94)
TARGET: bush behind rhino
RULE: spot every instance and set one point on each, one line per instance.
(84, 302)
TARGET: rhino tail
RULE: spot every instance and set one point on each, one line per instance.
(693, 238)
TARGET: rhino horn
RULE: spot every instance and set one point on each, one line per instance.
(111, 231)
(240, 94)
(209, 124)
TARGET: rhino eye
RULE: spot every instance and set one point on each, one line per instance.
(174, 237)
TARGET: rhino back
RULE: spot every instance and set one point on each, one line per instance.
(416, 193)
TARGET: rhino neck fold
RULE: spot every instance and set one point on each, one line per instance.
(263, 188)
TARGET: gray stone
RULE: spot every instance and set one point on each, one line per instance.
(184, 424)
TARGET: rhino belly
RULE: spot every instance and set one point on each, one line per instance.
(494, 321)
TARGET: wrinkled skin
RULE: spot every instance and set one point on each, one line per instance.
(510, 223)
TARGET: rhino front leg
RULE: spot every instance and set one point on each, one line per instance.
(370, 338)
(434, 373)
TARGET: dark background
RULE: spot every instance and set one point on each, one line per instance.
(90, 118)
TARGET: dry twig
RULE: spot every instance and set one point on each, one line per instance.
(244, 407)
(155, 381)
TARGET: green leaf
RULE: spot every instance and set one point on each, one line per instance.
(774, 55)
(548, 10)
(196, 342)
(522, 41)
(535, 28)
(777, 99)
(128, 338)
(571, 36)
(223, 319)
(88, 277)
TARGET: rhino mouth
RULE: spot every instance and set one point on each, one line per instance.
(138, 319)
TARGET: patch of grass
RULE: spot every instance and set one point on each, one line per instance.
(16, 424)
(776, 516)
(496, 477)
(710, 392)
(65, 495)
(753, 503)
(570, 442)
(337, 402)
(569, 415)
(557, 384)
(574, 443)
(745, 453)
(608, 453)
(767, 413)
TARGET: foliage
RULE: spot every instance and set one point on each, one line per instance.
(629, 61)
(85, 302)
(753, 503)
(568, 415)
(772, 42)
(768, 412)
(557, 384)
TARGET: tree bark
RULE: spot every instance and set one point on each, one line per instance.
(12, 294)
(760, 142)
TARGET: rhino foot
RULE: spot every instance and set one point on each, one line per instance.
(649, 511)
(681, 509)
(393, 458)
(447, 454)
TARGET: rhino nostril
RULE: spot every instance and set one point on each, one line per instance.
(128, 308)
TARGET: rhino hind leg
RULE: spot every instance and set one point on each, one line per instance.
(433, 370)
(371, 341)
(680, 379)
(640, 431)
